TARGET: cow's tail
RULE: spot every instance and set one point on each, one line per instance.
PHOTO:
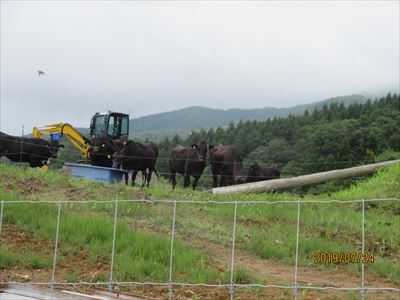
(237, 170)
(156, 172)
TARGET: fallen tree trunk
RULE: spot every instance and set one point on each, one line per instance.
(276, 184)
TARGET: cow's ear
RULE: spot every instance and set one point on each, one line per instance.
(194, 146)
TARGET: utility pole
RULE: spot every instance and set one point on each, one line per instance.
(22, 136)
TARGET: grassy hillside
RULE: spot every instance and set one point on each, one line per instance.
(264, 232)
(158, 126)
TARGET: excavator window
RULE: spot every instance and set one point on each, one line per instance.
(113, 124)
(124, 125)
(98, 126)
(117, 126)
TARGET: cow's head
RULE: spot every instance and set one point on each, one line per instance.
(119, 156)
(117, 159)
(202, 148)
(53, 148)
(254, 172)
(102, 149)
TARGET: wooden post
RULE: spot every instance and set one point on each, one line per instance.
(276, 184)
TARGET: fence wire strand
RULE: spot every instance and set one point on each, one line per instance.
(167, 201)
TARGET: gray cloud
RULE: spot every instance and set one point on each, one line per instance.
(148, 57)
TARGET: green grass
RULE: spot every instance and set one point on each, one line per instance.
(139, 255)
(34, 261)
(268, 231)
(29, 259)
(7, 259)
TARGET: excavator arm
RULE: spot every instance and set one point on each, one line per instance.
(79, 141)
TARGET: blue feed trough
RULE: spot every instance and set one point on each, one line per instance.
(103, 174)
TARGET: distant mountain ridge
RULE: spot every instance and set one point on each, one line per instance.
(158, 126)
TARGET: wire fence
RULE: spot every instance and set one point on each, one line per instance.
(164, 158)
(170, 284)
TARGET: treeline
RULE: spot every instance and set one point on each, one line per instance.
(331, 137)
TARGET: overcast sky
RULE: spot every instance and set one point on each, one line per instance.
(148, 57)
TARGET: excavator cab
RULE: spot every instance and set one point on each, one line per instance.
(111, 124)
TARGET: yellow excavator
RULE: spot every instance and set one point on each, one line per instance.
(111, 124)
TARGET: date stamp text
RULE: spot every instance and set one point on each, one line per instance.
(343, 257)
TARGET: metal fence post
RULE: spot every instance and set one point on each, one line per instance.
(170, 283)
(22, 141)
(1, 215)
(362, 290)
(232, 287)
(56, 246)
(113, 248)
(295, 288)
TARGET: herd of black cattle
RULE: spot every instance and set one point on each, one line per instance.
(225, 160)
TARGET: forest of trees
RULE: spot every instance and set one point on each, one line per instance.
(331, 137)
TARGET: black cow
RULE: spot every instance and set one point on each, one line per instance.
(188, 161)
(102, 149)
(226, 162)
(137, 157)
(259, 173)
(37, 152)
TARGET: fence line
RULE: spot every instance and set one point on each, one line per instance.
(227, 285)
(166, 201)
(207, 161)
(168, 158)
(168, 173)
(170, 284)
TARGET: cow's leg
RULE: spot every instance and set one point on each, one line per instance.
(229, 180)
(222, 180)
(134, 177)
(126, 175)
(149, 177)
(144, 177)
(35, 163)
(215, 178)
(173, 179)
(196, 179)
(186, 181)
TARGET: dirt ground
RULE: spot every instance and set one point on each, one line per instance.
(273, 272)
